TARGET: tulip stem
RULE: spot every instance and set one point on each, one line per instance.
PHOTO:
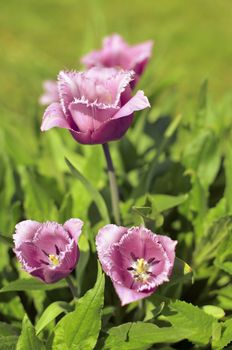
(113, 184)
(71, 286)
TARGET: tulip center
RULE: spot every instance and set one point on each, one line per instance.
(54, 259)
(140, 270)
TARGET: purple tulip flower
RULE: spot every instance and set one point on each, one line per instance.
(50, 94)
(48, 251)
(136, 260)
(96, 106)
(116, 52)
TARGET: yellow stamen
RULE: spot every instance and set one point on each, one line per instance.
(140, 270)
(141, 266)
(54, 259)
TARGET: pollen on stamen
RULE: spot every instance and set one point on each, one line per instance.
(140, 270)
(54, 259)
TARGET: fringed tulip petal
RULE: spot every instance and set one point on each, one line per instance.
(74, 227)
(128, 296)
(136, 103)
(54, 117)
(107, 236)
(24, 231)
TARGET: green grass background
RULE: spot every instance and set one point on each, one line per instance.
(38, 38)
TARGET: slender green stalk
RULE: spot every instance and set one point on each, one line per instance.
(71, 286)
(113, 184)
(167, 136)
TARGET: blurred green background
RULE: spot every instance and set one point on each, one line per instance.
(38, 38)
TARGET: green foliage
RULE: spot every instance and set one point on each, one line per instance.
(96, 196)
(226, 336)
(38, 203)
(139, 336)
(181, 273)
(8, 336)
(185, 322)
(203, 149)
(219, 231)
(30, 284)
(190, 322)
(8, 343)
(28, 340)
(228, 166)
(80, 328)
(149, 208)
(224, 254)
(50, 313)
(215, 311)
(6, 240)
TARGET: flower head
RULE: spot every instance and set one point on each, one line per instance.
(115, 52)
(136, 260)
(48, 251)
(50, 94)
(96, 106)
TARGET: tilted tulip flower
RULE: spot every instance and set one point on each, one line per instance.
(96, 106)
(48, 251)
(50, 94)
(115, 52)
(136, 260)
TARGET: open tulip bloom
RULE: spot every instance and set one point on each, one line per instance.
(136, 260)
(96, 106)
(115, 52)
(48, 251)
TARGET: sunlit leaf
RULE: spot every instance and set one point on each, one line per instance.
(28, 340)
(50, 313)
(80, 328)
(30, 284)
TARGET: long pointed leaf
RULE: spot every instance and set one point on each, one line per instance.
(97, 197)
